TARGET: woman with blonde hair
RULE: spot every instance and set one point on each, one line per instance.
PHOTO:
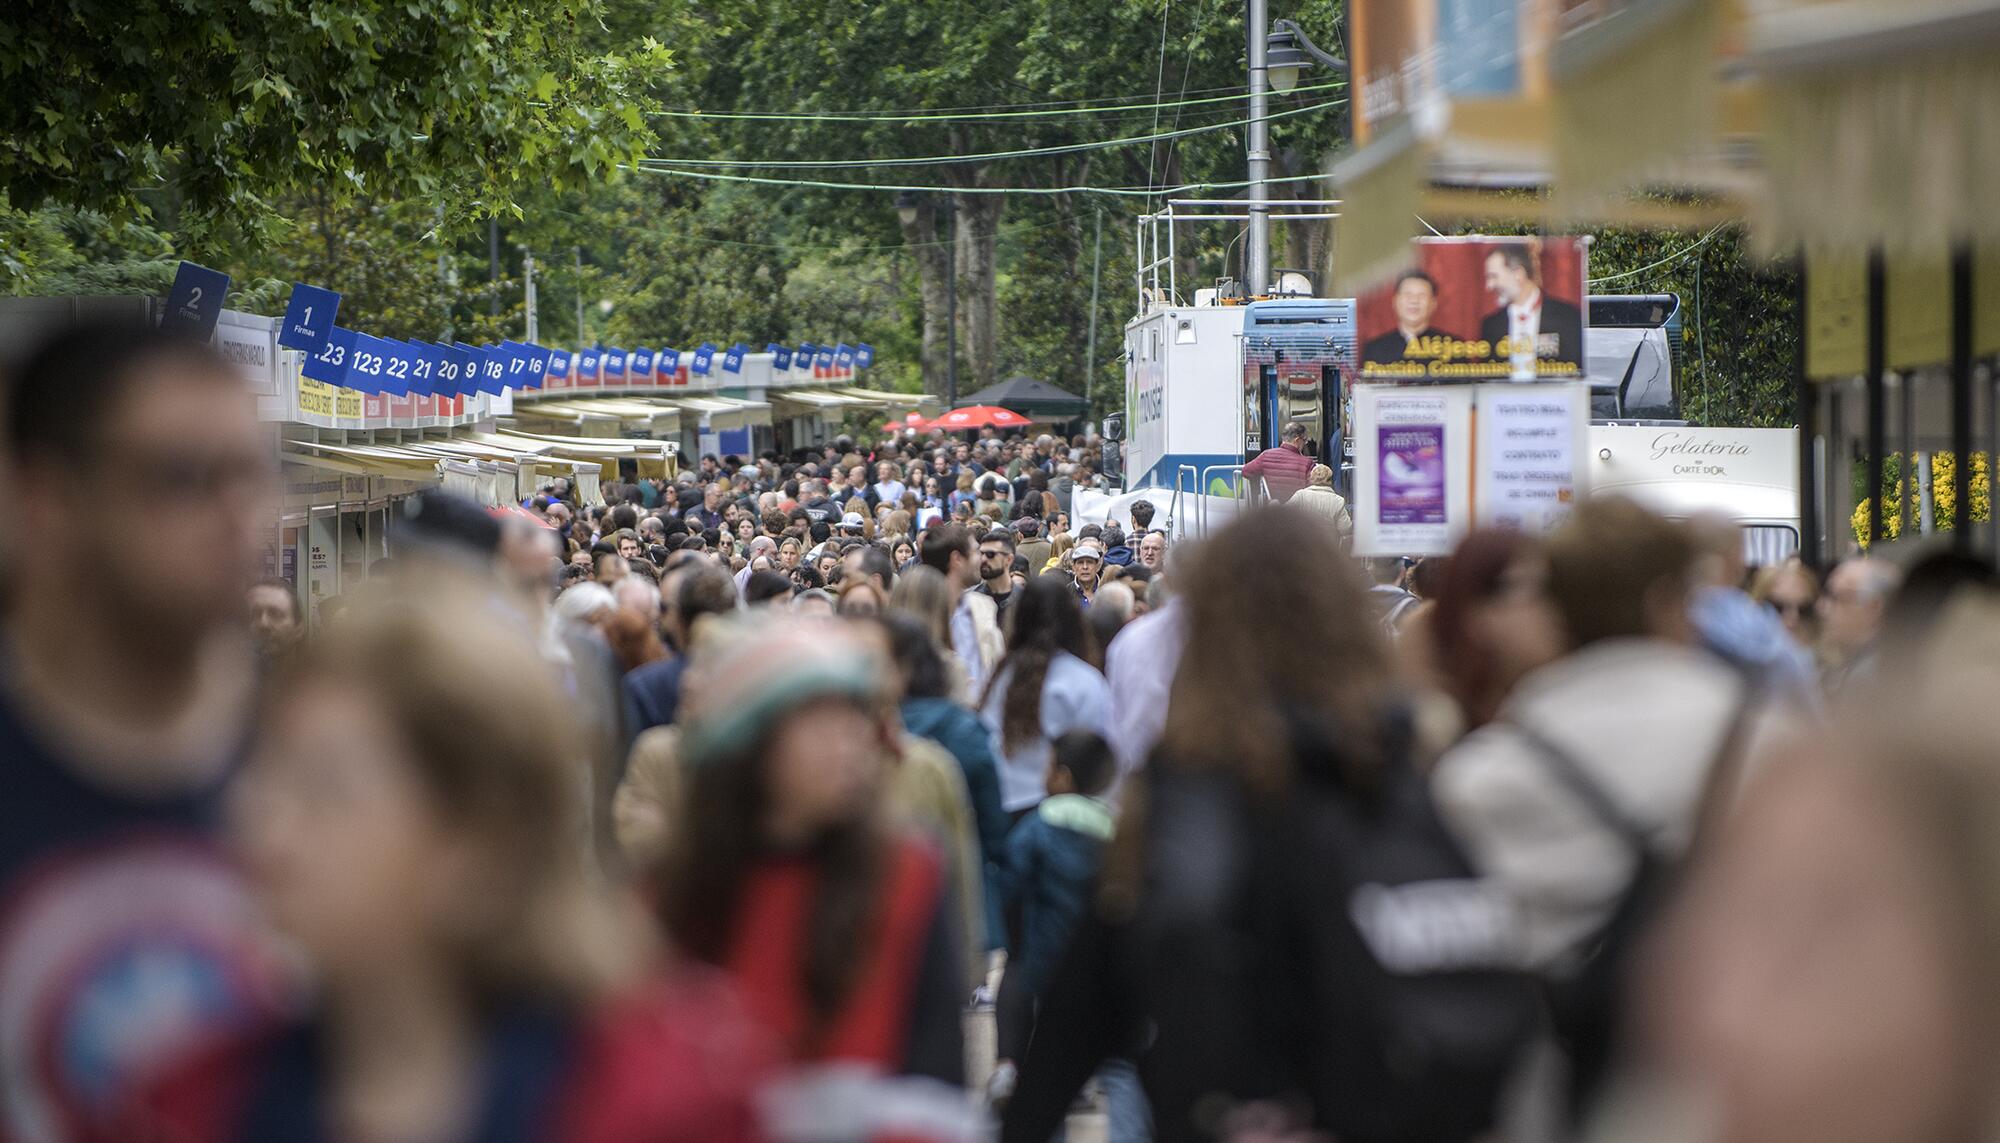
(964, 493)
(1792, 590)
(1059, 546)
(897, 524)
(411, 815)
(924, 594)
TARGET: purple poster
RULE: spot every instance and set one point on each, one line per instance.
(1412, 473)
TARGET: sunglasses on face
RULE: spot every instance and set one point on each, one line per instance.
(1792, 607)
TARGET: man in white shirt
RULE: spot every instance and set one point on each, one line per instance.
(1140, 666)
(975, 630)
(1543, 335)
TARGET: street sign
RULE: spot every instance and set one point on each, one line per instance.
(781, 356)
(702, 358)
(732, 361)
(366, 365)
(308, 318)
(195, 302)
(329, 365)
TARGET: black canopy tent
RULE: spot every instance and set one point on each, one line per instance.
(1038, 400)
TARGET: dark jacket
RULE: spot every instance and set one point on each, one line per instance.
(1226, 972)
(1284, 470)
(959, 731)
(1052, 862)
(652, 696)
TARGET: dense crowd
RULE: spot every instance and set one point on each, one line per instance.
(867, 793)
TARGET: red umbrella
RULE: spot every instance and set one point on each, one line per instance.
(980, 417)
(914, 422)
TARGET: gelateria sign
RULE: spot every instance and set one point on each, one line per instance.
(1633, 454)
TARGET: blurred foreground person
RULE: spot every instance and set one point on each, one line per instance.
(788, 871)
(411, 818)
(1792, 591)
(1285, 934)
(1493, 621)
(1584, 792)
(125, 694)
(1850, 618)
(1830, 973)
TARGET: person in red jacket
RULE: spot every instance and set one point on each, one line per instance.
(1284, 469)
(411, 817)
(788, 873)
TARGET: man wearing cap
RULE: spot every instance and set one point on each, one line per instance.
(1085, 562)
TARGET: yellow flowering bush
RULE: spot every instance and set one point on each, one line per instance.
(1944, 496)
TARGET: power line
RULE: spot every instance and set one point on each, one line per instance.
(1010, 230)
(1029, 112)
(1159, 84)
(985, 156)
(1135, 192)
(1675, 256)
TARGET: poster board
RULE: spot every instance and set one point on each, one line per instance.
(1412, 478)
(1475, 309)
(1532, 463)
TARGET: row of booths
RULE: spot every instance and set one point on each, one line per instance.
(744, 413)
(349, 459)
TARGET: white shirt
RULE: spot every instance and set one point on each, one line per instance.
(1524, 327)
(1140, 666)
(1074, 697)
(965, 644)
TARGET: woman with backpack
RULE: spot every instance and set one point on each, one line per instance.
(1284, 933)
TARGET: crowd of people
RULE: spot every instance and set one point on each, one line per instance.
(724, 809)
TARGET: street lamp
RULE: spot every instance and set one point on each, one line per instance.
(1276, 58)
(907, 207)
(1289, 51)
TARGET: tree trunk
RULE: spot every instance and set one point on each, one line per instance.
(978, 296)
(933, 260)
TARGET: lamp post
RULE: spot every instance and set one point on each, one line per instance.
(1257, 248)
(907, 206)
(1276, 59)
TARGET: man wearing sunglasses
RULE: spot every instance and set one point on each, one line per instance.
(996, 571)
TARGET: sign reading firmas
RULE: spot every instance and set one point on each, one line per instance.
(1478, 309)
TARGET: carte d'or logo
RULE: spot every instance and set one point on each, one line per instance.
(1698, 451)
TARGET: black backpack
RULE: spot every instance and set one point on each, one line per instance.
(1587, 1006)
(1357, 967)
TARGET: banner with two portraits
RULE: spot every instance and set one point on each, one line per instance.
(1473, 309)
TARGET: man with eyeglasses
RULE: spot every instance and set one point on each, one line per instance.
(126, 691)
(996, 570)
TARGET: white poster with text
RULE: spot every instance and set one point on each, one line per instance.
(1532, 463)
